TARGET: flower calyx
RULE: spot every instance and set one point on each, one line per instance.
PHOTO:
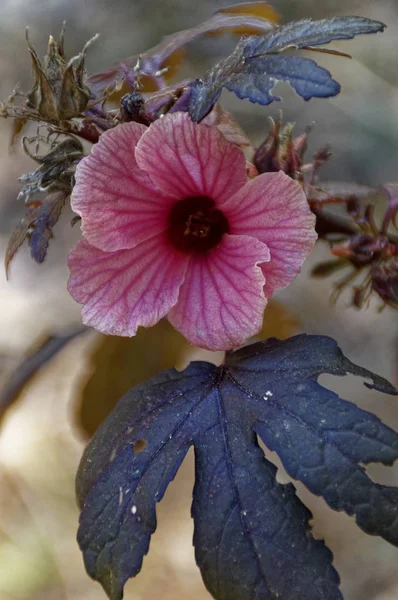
(59, 91)
(281, 152)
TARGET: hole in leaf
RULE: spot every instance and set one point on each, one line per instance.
(139, 446)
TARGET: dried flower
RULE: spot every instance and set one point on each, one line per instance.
(54, 177)
(57, 166)
(173, 227)
(370, 251)
(59, 91)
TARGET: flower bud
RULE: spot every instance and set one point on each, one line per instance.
(279, 152)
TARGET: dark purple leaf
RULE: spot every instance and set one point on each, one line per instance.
(37, 227)
(322, 440)
(254, 68)
(306, 33)
(204, 96)
(118, 489)
(252, 535)
(154, 60)
(42, 228)
(304, 75)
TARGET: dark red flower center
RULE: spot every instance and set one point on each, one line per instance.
(196, 225)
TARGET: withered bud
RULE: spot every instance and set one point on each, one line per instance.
(369, 251)
(56, 170)
(384, 276)
(131, 106)
(59, 91)
(279, 151)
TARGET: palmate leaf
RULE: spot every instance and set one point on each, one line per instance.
(119, 363)
(254, 68)
(252, 536)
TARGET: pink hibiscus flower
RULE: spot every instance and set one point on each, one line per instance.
(173, 227)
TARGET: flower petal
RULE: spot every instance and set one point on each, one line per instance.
(119, 204)
(188, 159)
(221, 301)
(126, 289)
(274, 209)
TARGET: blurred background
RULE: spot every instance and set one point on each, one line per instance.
(43, 434)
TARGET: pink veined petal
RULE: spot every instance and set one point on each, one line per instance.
(221, 301)
(188, 159)
(119, 205)
(274, 209)
(125, 289)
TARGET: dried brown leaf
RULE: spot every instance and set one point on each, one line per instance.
(120, 363)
